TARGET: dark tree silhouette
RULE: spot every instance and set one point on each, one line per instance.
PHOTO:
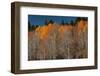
(85, 19)
(81, 18)
(29, 26)
(78, 19)
(51, 21)
(32, 27)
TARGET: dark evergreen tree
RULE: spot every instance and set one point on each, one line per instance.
(85, 18)
(78, 19)
(29, 26)
(32, 27)
(81, 18)
(51, 21)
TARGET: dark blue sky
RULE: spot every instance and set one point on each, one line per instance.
(40, 19)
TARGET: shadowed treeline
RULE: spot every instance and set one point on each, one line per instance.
(58, 41)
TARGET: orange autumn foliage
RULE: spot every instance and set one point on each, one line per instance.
(82, 26)
(43, 31)
(65, 28)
